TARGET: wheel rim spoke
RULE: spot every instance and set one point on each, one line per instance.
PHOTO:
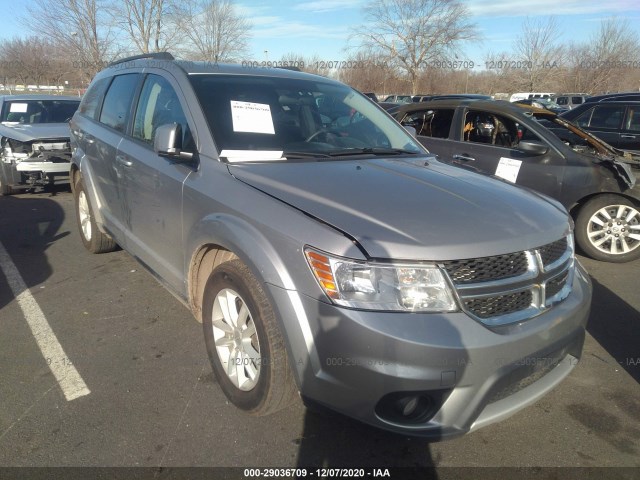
(621, 209)
(236, 339)
(632, 213)
(625, 245)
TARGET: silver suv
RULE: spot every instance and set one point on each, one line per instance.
(324, 250)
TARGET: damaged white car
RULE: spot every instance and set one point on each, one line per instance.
(34, 140)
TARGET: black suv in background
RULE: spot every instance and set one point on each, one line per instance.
(617, 122)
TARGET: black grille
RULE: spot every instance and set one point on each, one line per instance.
(553, 251)
(500, 304)
(487, 268)
(555, 285)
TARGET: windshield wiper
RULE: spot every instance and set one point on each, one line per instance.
(371, 151)
(295, 154)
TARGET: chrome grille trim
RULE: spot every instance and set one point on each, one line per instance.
(546, 285)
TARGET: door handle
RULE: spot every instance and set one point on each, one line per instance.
(627, 136)
(464, 158)
(89, 138)
(123, 161)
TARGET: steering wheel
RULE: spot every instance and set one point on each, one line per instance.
(313, 136)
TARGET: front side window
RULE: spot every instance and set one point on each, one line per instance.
(117, 101)
(301, 118)
(576, 100)
(563, 100)
(158, 105)
(607, 116)
(489, 128)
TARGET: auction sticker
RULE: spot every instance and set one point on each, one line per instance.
(508, 169)
(251, 117)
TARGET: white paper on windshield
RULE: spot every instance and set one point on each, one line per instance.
(237, 156)
(18, 107)
(508, 169)
(251, 117)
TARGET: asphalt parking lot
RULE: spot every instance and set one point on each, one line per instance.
(150, 398)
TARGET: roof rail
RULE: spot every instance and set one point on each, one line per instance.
(156, 55)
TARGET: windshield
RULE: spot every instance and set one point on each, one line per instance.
(39, 111)
(262, 118)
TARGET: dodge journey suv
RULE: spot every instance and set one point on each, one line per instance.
(325, 252)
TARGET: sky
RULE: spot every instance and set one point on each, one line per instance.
(322, 27)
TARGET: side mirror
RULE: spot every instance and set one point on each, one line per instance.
(533, 148)
(168, 142)
(411, 130)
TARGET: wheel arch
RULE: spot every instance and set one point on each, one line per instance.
(574, 210)
(219, 238)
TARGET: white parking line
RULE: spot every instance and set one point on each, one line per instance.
(67, 376)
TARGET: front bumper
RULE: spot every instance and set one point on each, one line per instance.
(351, 360)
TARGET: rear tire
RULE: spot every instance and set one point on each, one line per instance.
(608, 229)
(93, 239)
(244, 343)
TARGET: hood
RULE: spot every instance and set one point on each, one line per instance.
(35, 131)
(413, 209)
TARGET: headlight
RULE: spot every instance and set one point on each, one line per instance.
(375, 286)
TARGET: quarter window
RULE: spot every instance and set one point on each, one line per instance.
(117, 101)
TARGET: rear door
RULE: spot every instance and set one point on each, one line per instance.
(101, 140)
(153, 184)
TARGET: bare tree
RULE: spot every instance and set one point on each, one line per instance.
(214, 30)
(415, 34)
(32, 61)
(607, 61)
(79, 26)
(538, 50)
(144, 23)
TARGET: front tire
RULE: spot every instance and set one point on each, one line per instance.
(4, 188)
(93, 239)
(608, 229)
(243, 341)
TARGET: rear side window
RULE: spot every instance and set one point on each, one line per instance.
(430, 123)
(93, 98)
(117, 101)
(576, 100)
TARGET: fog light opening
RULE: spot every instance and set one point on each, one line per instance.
(409, 408)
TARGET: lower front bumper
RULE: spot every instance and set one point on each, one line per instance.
(350, 360)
